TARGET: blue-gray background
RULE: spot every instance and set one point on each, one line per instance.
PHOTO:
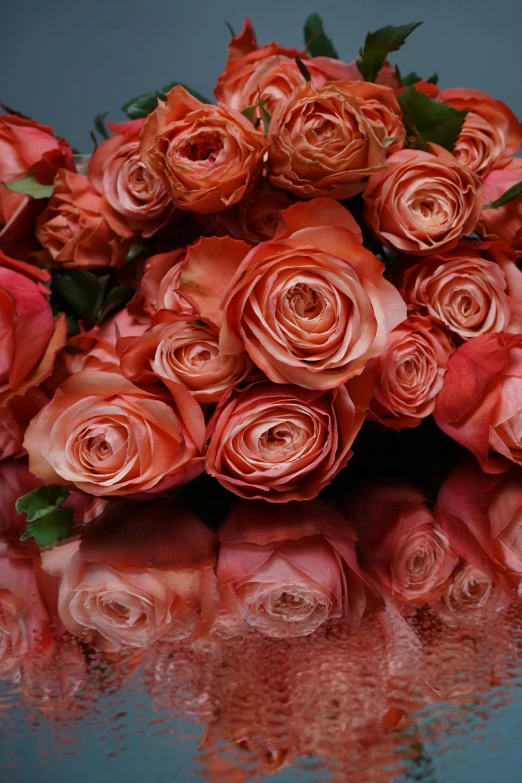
(64, 61)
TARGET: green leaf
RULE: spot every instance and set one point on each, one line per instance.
(304, 70)
(118, 296)
(41, 501)
(410, 78)
(30, 186)
(506, 197)
(99, 124)
(316, 40)
(50, 529)
(378, 45)
(433, 122)
(82, 291)
(135, 251)
(388, 141)
(230, 29)
(143, 105)
(72, 326)
(250, 111)
(267, 118)
(433, 79)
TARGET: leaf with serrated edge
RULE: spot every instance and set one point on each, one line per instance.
(316, 40)
(378, 45)
(50, 529)
(435, 122)
(41, 501)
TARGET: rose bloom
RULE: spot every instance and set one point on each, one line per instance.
(209, 157)
(469, 594)
(323, 144)
(423, 202)
(192, 280)
(311, 306)
(283, 443)
(254, 220)
(15, 416)
(104, 435)
(409, 373)
(379, 105)
(490, 131)
(474, 289)
(480, 404)
(270, 72)
(79, 228)
(26, 147)
(288, 573)
(117, 172)
(145, 574)
(504, 223)
(177, 351)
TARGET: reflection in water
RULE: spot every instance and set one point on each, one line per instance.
(337, 640)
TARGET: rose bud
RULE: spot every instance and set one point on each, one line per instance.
(287, 573)
(104, 435)
(409, 373)
(470, 595)
(404, 548)
(281, 443)
(490, 131)
(311, 306)
(504, 223)
(209, 157)
(79, 228)
(482, 516)
(26, 147)
(117, 172)
(480, 403)
(254, 220)
(423, 202)
(181, 352)
(474, 289)
(140, 576)
(323, 144)
(270, 72)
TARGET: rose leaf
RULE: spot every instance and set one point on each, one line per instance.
(41, 501)
(378, 45)
(316, 40)
(435, 122)
(30, 186)
(506, 197)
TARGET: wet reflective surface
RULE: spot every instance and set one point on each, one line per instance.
(373, 635)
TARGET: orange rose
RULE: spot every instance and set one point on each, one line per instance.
(78, 227)
(26, 147)
(504, 223)
(177, 351)
(280, 443)
(423, 202)
(254, 220)
(379, 105)
(117, 172)
(108, 437)
(311, 306)
(323, 144)
(474, 289)
(209, 157)
(409, 373)
(490, 131)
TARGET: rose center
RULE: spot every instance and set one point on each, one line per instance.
(206, 148)
(305, 301)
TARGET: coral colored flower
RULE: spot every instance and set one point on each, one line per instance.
(503, 223)
(254, 220)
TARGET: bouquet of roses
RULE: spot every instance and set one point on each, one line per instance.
(238, 286)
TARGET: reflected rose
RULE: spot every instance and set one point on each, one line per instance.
(311, 306)
(423, 202)
(474, 289)
(503, 223)
(281, 443)
(254, 220)
(403, 546)
(469, 593)
(287, 572)
(409, 373)
(208, 157)
(144, 574)
(323, 143)
(107, 437)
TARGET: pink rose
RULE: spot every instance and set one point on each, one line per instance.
(254, 220)
(503, 223)
(470, 595)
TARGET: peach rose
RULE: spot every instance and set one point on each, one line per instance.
(469, 594)
(145, 575)
(409, 373)
(209, 157)
(79, 228)
(311, 306)
(504, 223)
(254, 220)
(181, 352)
(404, 549)
(270, 72)
(480, 404)
(322, 143)
(192, 280)
(107, 437)
(423, 202)
(26, 147)
(490, 131)
(379, 105)
(286, 574)
(474, 289)
(281, 443)
(117, 172)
